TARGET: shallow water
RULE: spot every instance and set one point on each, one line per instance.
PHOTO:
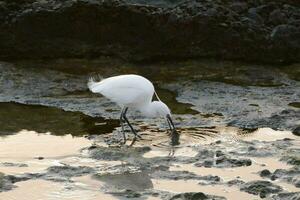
(62, 150)
(48, 118)
(15, 117)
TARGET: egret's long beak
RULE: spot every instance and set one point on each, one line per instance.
(174, 133)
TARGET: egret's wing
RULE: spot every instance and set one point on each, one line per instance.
(124, 89)
(125, 95)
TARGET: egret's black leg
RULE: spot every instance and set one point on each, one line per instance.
(170, 126)
(132, 129)
(122, 125)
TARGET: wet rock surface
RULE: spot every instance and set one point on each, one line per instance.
(265, 31)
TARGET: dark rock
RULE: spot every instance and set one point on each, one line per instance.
(296, 131)
(277, 17)
(262, 188)
(254, 15)
(195, 196)
(148, 31)
(239, 7)
(265, 173)
(283, 31)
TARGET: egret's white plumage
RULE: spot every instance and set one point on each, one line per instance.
(132, 91)
(125, 90)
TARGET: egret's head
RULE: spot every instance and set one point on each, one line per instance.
(159, 109)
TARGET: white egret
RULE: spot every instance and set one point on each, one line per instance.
(133, 91)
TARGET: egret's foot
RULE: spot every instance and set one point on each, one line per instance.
(133, 141)
(136, 137)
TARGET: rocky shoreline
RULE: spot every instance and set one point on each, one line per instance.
(136, 30)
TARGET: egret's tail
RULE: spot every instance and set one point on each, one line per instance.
(156, 96)
(94, 85)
